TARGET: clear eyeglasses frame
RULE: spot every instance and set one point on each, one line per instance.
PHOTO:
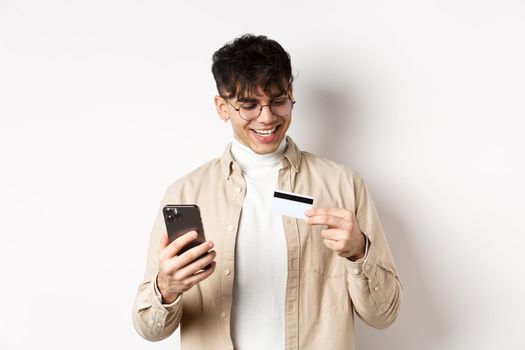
(280, 107)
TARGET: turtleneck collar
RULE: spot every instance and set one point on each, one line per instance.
(249, 160)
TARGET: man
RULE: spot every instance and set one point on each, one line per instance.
(272, 281)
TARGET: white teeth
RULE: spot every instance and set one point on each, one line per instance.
(265, 132)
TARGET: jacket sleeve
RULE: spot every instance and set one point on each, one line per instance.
(373, 282)
(153, 320)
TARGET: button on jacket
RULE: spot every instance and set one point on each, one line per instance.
(323, 289)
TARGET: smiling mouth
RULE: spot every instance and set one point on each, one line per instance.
(265, 132)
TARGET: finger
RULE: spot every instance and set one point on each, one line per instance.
(200, 276)
(333, 245)
(195, 266)
(164, 240)
(335, 234)
(342, 213)
(173, 265)
(192, 254)
(179, 243)
(332, 221)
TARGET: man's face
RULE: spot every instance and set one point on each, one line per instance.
(262, 134)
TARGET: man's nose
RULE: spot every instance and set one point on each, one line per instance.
(266, 115)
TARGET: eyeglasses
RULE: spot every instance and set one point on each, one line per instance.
(280, 107)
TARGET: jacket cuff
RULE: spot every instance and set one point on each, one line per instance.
(365, 267)
(158, 298)
(370, 271)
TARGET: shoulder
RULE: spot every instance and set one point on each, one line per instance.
(207, 173)
(328, 168)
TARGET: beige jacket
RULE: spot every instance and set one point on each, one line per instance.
(323, 289)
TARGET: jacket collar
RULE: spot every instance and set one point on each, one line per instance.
(292, 154)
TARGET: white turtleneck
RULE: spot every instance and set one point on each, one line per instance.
(260, 255)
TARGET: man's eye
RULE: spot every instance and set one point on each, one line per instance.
(249, 106)
(279, 102)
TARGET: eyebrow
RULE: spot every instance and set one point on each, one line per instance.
(254, 99)
(247, 99)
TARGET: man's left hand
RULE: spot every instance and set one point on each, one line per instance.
(342, 234)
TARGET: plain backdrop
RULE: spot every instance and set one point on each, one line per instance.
(104, 103)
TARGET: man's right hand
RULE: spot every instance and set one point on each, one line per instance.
(178, 273)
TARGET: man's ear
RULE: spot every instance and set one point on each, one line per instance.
(222, 107)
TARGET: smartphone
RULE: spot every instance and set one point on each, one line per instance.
(182, 218)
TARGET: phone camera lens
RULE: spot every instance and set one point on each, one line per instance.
(173, 214)
(169, 214)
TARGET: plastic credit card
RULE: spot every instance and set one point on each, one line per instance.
(291, 204)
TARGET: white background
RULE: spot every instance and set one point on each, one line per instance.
(105, 103)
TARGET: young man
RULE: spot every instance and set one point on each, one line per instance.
(272, 281)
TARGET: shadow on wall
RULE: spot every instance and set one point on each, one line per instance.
(420, 324)
(339, 135)
(327, 123)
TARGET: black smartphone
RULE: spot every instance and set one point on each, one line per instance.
(183, 218)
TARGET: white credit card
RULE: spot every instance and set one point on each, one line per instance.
(291, 204)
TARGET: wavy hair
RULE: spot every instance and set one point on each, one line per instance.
(250, 62)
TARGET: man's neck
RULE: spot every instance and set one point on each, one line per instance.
(247, 158)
